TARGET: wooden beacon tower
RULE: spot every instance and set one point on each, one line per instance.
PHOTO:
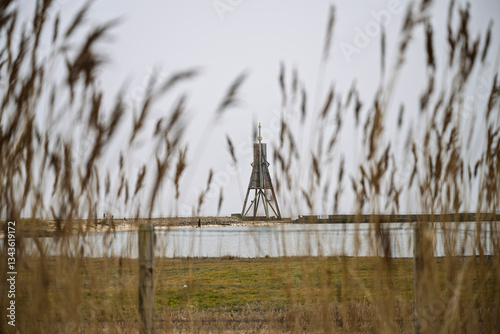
(260, 181)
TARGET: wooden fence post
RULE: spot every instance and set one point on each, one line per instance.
(419, 279)
(146, 278)
(417, 263)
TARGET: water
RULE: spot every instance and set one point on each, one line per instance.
(273, 241)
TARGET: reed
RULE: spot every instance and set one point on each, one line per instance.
(55, 133)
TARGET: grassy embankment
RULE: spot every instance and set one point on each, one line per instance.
(107, 287)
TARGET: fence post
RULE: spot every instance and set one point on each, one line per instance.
(417, 274)
(146, 279)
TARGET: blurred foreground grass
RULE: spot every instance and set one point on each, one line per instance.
(269, 290)
(57, 134)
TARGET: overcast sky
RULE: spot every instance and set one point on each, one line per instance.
(224, 38)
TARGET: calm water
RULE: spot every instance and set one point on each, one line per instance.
(282, 240)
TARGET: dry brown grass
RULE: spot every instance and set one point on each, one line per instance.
(40, 176)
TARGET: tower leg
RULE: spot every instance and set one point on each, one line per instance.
(276, 204)
(245, 203)
(249, 207)
(256, 203)
(264, 201)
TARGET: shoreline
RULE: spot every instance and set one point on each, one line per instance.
(46, 228)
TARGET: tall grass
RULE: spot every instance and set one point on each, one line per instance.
(45, 174)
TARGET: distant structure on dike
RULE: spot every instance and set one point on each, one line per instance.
(260, 181)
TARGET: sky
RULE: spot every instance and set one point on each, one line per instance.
(224, 38)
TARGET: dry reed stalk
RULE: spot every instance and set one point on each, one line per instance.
(451, 294)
